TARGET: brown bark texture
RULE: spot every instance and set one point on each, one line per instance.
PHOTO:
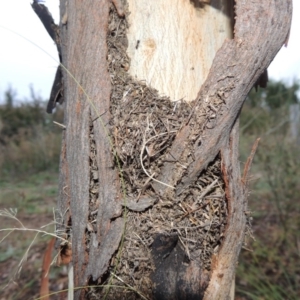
(261, 28)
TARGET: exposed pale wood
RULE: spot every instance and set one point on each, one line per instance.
(172, 43)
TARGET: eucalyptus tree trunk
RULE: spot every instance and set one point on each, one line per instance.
(151, 196)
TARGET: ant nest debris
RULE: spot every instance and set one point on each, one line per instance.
(143, 127)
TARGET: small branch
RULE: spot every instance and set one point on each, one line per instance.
(130, 287)
(151, 177)
(59, 125)
(249, 162)
(46, 18)
(34, 230)
(70, 282)
(204, 193)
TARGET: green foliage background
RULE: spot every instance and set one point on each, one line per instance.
(269, 265)
(29, 141)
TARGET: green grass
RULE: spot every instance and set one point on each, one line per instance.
(271, 270)
(267, 273)
(35, 198)
(32, 195)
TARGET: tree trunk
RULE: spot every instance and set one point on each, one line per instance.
(151, 196)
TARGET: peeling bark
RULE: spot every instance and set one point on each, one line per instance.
(84, 56)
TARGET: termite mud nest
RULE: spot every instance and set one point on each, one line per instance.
(143, 127)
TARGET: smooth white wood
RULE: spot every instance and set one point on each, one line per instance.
(172, 43)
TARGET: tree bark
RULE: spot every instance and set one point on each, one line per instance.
(92, 200)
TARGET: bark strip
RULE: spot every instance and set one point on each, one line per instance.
(84, 55)
(224, 263)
